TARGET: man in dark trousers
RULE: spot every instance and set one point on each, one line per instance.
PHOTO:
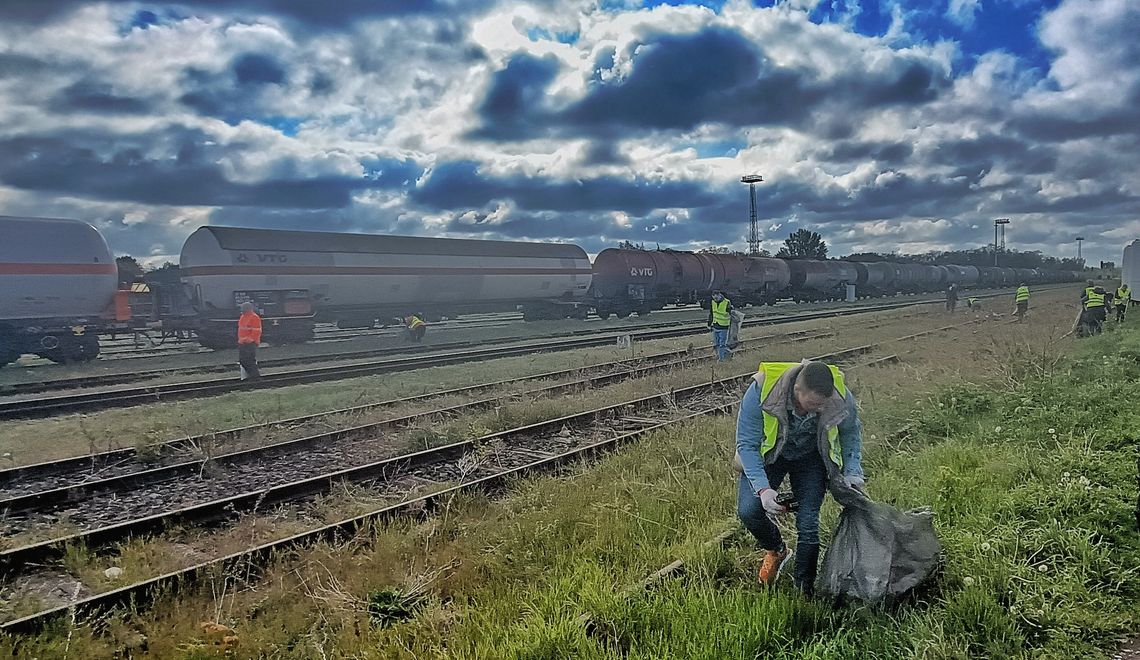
(249, 336)
(951, 297)
(797, 420)
(720, 317)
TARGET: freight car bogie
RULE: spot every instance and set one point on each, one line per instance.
(62, 345)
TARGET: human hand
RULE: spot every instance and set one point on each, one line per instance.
(856, 481)
(768, 500)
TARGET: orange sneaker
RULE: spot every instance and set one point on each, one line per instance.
(772, 565)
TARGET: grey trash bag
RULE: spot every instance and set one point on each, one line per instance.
(734, 328)
(877, 552)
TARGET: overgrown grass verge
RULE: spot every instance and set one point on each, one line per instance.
(1039, 563)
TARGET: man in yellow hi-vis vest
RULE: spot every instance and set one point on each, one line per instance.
(797, 420)
(720, 317)
(1123, 300)
(1021, 301)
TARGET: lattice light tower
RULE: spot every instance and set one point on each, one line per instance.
(753, 229)
(1079, 239)
(1000, 222)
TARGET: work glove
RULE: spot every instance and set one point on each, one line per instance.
(856, 482)
(768, 500)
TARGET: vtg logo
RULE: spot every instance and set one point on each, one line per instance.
(243, 258)
(641, 272)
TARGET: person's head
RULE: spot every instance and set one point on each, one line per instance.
(813, 387)
(718, 296)
(1098, 289)
(246, 307)
(1124, 286)
(1021, 284)
(1089, 282)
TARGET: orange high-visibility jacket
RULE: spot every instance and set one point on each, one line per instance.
(249, 328)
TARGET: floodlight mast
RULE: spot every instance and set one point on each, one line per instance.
(753, 228)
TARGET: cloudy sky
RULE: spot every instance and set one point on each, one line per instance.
(884, 124)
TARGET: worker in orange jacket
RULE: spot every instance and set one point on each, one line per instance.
(249, 336)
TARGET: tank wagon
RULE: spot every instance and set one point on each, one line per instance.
(639, 281)
(296, 278)
(57, 287)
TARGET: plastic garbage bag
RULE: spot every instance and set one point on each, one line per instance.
(734, 328)
(877, 552)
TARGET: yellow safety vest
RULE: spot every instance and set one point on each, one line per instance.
(1022, 294)
(415, 322)
(772, 371)
(1123, 294)
(1094, 300)
(720, 313)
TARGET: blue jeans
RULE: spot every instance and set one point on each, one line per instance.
(809, 484)
(720, 343)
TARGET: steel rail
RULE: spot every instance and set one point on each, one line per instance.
(94, 463)
(38, 407)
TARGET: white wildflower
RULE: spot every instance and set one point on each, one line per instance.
(1043, 568)
(1065, 475)
(1052, 431)
(968, 581)
(997, 430)
(985, 547)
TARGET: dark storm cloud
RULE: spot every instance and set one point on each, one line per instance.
(681, 81)
(13, 65)
(98, 98)
(854, 150)
(338, 14)
(1052, 128)
(235, 92)
(118, 168)
(459, 185)
(515, 97)
(986, 151)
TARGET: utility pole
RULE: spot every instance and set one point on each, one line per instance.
(753, 229)
(1000, 222)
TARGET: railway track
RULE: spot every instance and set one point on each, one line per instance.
(85, 471)
(89, 401)
(104, 380)
(480, 463)
(126, 486)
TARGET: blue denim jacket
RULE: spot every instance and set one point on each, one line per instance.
(750, 435)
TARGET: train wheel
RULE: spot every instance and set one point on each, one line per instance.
(642, 311)
(603, 314)
(65, 349)
(623, 313)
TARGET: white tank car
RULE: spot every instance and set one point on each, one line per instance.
(354, 278)
(57, 277)
(1130, 267)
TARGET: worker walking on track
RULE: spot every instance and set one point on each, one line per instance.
(249, 337)
(797, 420)
(720, 318)
(1021, 301)
(415, 327)
(1123, 299)
(951, 297)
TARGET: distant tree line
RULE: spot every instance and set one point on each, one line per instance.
(976, 257)
(805, 244)
(130, 270)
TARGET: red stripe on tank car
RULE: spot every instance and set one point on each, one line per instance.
(374, 270)
(58, 269)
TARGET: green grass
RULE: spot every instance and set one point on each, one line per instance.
(1036, 519)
